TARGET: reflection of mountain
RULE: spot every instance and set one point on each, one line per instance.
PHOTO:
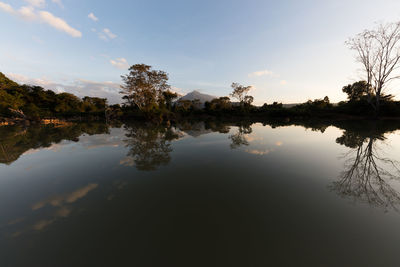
(16, 140)
(367, 175)
(194, 129)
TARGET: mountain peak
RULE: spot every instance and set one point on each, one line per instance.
(195, 94)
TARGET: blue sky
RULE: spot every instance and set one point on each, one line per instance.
(290, 51)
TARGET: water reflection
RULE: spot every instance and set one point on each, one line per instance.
(367, 174)
(240, 138)
(149, 145)
(48, 211)
(17, 140)
(95, 196)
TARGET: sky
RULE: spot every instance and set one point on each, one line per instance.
(289, 51)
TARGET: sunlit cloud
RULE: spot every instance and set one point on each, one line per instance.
(261, 73)
(279, 143)
(59, 24)
(251, 138)
(53, 148)
(6, 8)
(179, 91)
(40, 225)
(127, 161)
(68, 198)
(120, 63)
(283, 82)
(259, 152)
(92, 17)
(26, 80)
(62, 203)
(29, 13)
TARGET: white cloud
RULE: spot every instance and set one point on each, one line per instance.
(44, 82)
(58, 2)
(92, 17)
(261, 73)
(179, 91)
(36, 3)
(6, 7)
(283, 82)
(29, 13)
(120, 63)
(106, 34)
(59, 24)
(109, 33)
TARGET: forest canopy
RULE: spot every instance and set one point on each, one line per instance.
(35, 102)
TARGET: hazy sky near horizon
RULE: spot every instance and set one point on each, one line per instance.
(290, 51)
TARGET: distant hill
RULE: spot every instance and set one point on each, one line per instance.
(197, 95)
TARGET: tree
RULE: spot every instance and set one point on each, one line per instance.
(356, 90)
(248, 99)
(169, 97)
(221, 103)
(144, 86)
(240, 93)
(367, 175)
(379, 53)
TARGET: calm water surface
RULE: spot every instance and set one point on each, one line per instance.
(200, 194)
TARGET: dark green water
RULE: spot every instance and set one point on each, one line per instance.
(200, 194)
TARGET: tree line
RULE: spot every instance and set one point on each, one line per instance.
(147, 93)
(34, 102)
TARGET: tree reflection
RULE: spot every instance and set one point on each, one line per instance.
(239, 138)
(367, 174)
(16, 140)
(150, 145)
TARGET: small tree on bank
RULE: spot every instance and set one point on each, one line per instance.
(144, 87)
(379, 52)
(240, 92)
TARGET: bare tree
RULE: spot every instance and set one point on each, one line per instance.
(367, 175)
(379, 53)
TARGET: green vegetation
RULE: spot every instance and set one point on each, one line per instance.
(35, 103)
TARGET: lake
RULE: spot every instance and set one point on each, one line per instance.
(200, 194)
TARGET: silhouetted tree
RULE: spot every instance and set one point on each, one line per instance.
(379, 53)
(357, 90)
(240, 93)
